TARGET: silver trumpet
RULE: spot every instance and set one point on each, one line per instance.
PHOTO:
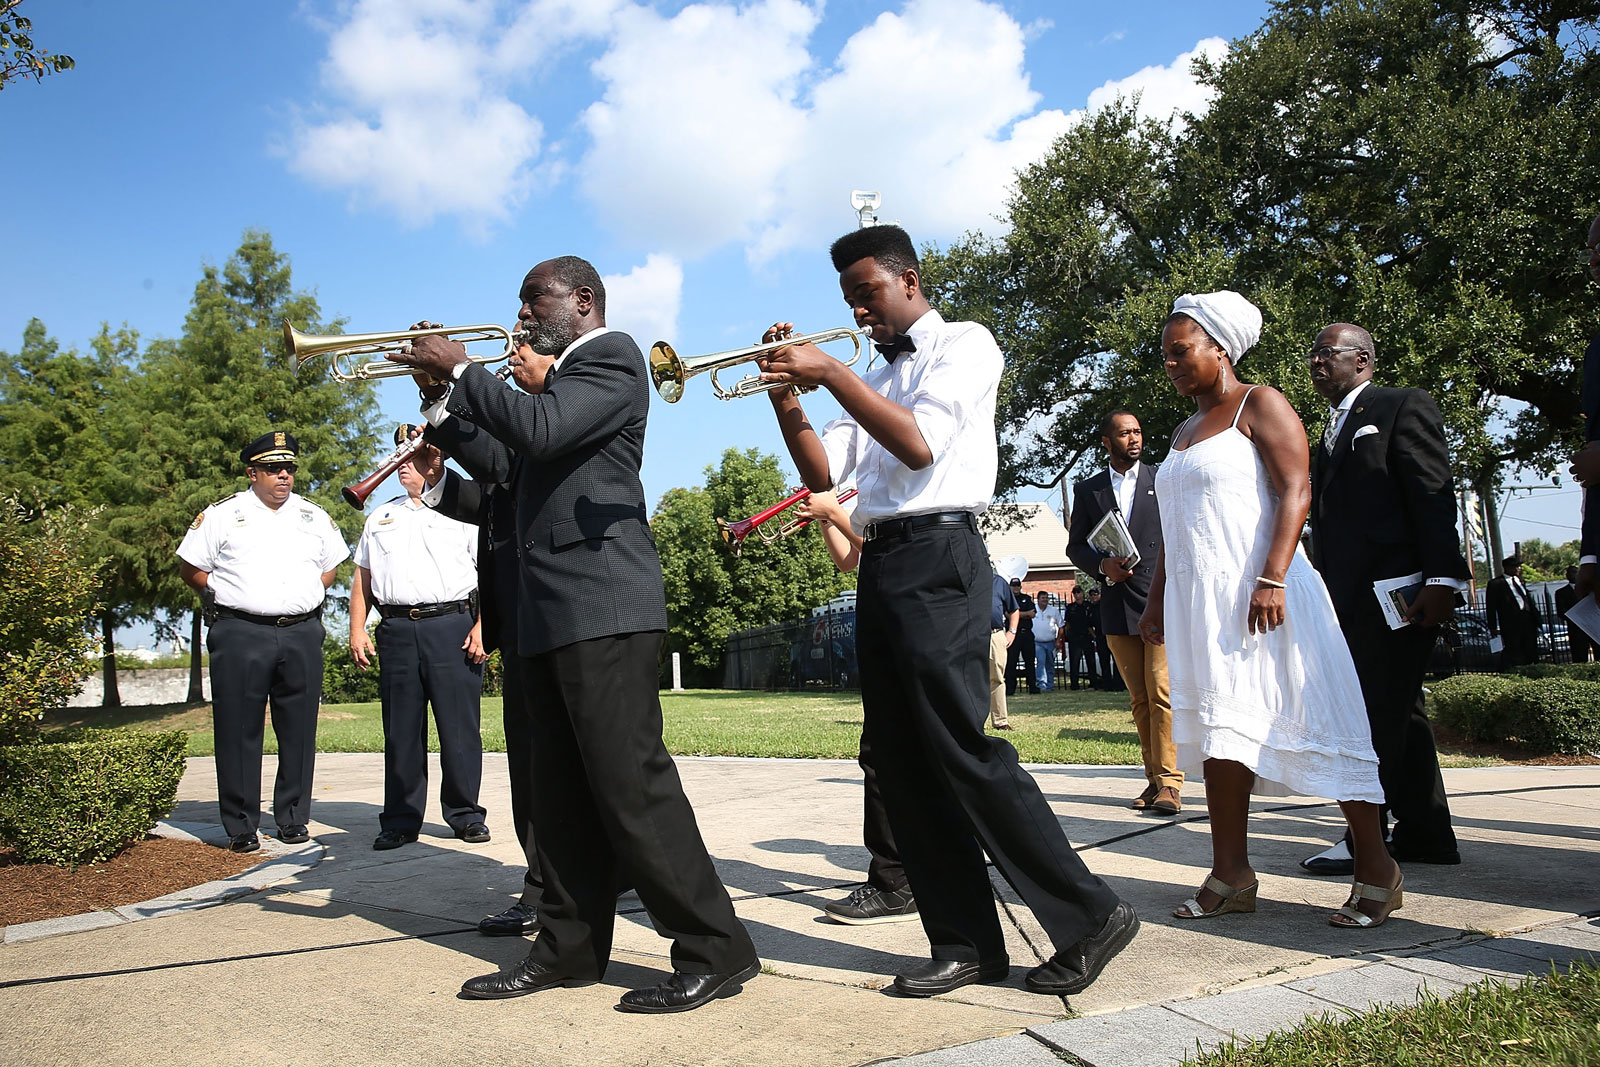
(669, 370)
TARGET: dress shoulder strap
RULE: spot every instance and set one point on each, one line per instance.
(1240, 409)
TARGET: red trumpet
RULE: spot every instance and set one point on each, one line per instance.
(734, 533)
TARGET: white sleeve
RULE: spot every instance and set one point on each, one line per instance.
(839, 441)
(948, 392)
(334, 550)
(435, 413)
(363, 553)
(200, 544)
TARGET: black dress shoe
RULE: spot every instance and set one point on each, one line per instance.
(1073, 970)
(526, 977)
(243, 843)
(685, 992)
(474, 833)
(515, 921)
(393, 839)
(1336, 861)
(942, 976)
(293, 835)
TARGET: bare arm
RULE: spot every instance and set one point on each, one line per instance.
(193, 576)
(1280, 439)
(360, 606)
(1152, 624)
(805, 447)
(843, 544)
(1011, 627)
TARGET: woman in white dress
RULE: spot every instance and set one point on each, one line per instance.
(1264, 694)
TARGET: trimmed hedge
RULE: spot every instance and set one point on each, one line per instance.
(1543, 706)
(84, 799)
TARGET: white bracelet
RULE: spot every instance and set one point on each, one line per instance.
(1269, 582)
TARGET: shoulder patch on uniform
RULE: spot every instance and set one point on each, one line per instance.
(199, 517)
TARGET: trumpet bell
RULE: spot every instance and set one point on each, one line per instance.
(666, 371)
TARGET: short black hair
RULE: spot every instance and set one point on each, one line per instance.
(1105, 423)
(1511, 561)
(575, 272)
(889, 245)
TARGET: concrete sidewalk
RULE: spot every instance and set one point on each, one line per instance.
(359, 959)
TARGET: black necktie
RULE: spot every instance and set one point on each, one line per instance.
(895, 349)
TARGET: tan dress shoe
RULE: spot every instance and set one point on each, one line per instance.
(1143, 800)
(1167, 801)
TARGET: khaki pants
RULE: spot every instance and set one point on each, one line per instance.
(997, 677)
(1144, 669)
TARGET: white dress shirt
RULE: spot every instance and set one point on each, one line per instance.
(262, 561)
(1046, 623)
(1125, 487)
(418, 556)
(435, 412)
(949, 386)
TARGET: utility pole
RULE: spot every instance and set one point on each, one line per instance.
(1491, 525)
(1470, 525)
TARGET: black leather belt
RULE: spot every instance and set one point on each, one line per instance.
(423, 611)
(267, 620)
(902, 527)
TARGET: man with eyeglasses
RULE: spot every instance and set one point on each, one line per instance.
(262, 560)
(1383, 506)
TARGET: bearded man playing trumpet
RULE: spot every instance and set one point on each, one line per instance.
(608, 804)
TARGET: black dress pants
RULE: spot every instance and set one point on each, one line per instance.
(952, 791)
(421, 662)
(1022, 648)
(1084, 652)
(254, 665)
(609, 809)
(1391, 665)
(885, 869)
(519, 763)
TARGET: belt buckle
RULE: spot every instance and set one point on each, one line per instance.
(415, 614)
(283, 620)
(870, 531)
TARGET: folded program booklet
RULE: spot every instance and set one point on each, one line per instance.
(1110, 537)
(1395, 597)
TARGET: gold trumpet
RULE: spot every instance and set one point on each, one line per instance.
(344, 348)
(669, 370)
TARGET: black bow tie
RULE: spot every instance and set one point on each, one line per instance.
(901, 345)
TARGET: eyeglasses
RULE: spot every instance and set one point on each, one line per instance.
(1327, 352)
(274, 468)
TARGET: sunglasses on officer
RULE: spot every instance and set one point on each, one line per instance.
(274, 468)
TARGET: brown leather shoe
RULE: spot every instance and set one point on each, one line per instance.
(1167, 802)
(1143, 800)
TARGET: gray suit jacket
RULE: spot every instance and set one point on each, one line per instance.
(588, 564)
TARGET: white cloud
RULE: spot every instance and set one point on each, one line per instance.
(1169, 90)
(644, 302)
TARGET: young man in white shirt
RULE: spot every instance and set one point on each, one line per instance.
(418, 569)
(918, 436)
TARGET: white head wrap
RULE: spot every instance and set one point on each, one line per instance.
(1009, 567)
(1231, 320)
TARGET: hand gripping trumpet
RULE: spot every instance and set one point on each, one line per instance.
(734, 533)
(344, 349)
(670, 371)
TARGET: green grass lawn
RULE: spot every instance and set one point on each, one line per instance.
(1553, 1021)
(1058, 727)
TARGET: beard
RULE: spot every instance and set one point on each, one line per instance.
(551, 338)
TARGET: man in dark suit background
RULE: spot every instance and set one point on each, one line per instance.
(1383, 506)
(1577, 641)
(591, 613)
(1513, 615)
(1129, 486)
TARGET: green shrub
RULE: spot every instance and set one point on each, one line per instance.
(1557, 715)
(47, 583)
(1578, 672)
(84, 799)
(1477, 706)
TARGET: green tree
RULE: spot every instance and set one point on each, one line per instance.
(18, 56)
(63, 423)
(710, 592)
(47, 590)
(1549, 562)
(224, 382)
(1414, 166)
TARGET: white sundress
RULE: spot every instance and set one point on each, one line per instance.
(1287, 704)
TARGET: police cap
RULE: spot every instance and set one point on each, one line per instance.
(278, 446)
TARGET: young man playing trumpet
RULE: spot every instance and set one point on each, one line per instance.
(918, 436)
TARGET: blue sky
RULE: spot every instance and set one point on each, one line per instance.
(415, 157)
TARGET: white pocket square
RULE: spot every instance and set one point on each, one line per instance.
(1362, 432)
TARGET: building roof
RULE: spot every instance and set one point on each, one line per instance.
(1033, 531)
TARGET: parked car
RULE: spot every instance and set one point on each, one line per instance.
(1463, 645)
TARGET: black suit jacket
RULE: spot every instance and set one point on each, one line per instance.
(587, 560)
(1503, 613)
(490, 507)
(1383, 503)
(1120, 604)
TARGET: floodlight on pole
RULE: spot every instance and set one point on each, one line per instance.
(866, 205)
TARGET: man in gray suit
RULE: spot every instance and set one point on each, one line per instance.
(608, 804)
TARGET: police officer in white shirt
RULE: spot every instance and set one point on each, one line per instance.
(418, 569)
(262, 561)
(918, 436)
